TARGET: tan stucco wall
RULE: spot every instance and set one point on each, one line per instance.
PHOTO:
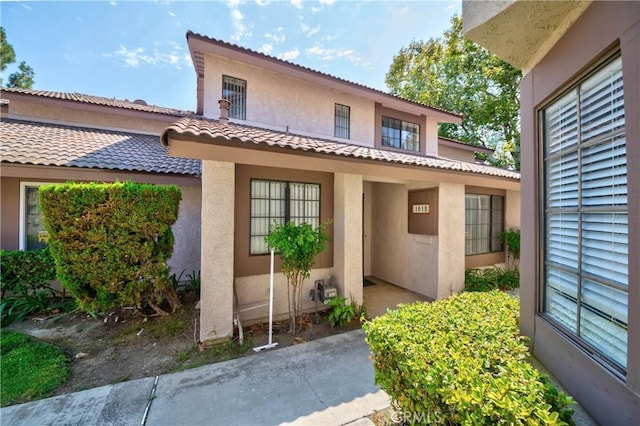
(456, 154)
(253, 291)
(512, 210)
(186, 230)
(451, 225)
(367, 226)
(407, 260)
(9, 213)
(347, 228)
(216, 310)
(87, 115)
(302, 106)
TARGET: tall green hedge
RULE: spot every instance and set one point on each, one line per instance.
(461, 361)
(111, 242)
(22, 272)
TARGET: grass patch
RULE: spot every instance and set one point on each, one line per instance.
(191, 357)
(30, 369)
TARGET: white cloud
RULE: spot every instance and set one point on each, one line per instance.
(133, 58)
(308, 30)
(327, 1)
(279, 37)
(289, 55)
(113, 3)
(266, 48)
(262, 2)
(171, 14)
(237, 20)
(297, 3)
(336, 54)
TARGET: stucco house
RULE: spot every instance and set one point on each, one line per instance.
(55, 137)
(580, 248)
(281, 141)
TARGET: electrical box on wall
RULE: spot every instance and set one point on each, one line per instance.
(423, 212)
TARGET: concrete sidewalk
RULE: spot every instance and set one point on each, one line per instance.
(325, 382)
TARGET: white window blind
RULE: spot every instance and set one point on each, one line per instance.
(586, 227)
(281, 202)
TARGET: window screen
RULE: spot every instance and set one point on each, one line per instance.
(483, 223)
(282, 202)
(235, 91)
(342, 121)
(585, 218)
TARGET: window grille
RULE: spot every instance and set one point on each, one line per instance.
(400, 134)
(342, 121)
(235, 91)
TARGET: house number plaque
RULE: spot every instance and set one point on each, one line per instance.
(421, 208)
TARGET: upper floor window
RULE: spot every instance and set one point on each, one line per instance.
(484, 223)
(400, 134)
(282, 202)
(342, 121)
(235, 91)
(585, 231)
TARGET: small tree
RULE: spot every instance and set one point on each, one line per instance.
(297, 246)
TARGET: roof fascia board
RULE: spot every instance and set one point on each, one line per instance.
(197, 44)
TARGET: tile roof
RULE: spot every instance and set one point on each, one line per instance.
(26, 142)
(300, 67)
(254, 136)
(98, 100)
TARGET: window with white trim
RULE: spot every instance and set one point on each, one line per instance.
(400, 134)
(585, 230)
(484, 223)
(282, 202)
(32, 232)
(342, 121)
(235, 91)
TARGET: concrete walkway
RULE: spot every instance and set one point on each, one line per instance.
(324, 382)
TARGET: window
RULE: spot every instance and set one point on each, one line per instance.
(400, 134)
(235, 91)
(484, 223)
(585, 230)
(282, 202)
(32, 232)
(342, 124)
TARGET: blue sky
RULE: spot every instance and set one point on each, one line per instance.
(137, 50)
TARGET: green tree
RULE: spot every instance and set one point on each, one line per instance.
(297, 246)
(24, 76)
(456, 74)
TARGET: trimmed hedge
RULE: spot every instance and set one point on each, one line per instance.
(111, 242)
(22, 272)
(462, 361)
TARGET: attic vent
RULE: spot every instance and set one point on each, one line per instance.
(140, 102)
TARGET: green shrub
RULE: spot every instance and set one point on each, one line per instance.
(511, 239)
(16, 308)
(111, 242)
(340, 313)
(22, 272)
(488, 279)
(461, 361)
(30, 369)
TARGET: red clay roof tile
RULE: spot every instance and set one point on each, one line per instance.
(27, 142)
(237, 133)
